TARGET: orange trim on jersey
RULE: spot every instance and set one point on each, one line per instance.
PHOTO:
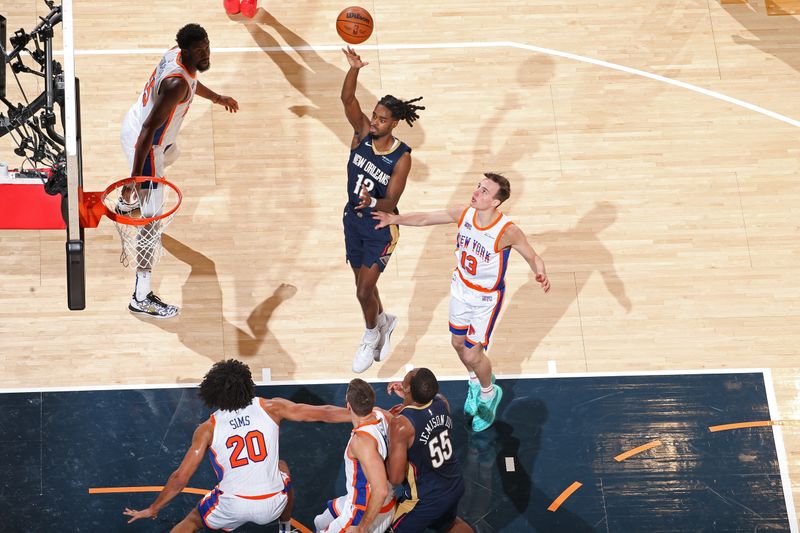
(180, 64)
(389, 506)
(457, 327)
(472, 285)
(259, 497)
(213, 421)
(499, 235)
(377, 444)
(475, 221)
(500, 270)
(492, 320)
(463, 214)
(166, 126)
(216, 461)
(181, 77)
(366, 424)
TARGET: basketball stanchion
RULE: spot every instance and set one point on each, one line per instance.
(141, 208)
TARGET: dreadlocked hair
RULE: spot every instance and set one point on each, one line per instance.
(228, 386)
(402, 109)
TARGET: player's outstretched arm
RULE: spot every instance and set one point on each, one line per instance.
(180, 477)
(432, 218)
(301, 412)
(172, 91)
(352, 109)
(515, 238)
(364, 449)
(230, 105)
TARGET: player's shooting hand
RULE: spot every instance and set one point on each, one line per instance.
(353, 58)
(363, 197)
(544, 281)
(136, 515)
(230, 104)
(396, 387)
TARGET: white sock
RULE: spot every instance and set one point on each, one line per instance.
(487, 392)
(371, 335)
(284, 526)
(473, 378)
(142, 284)
(323, 520)
(381, 319)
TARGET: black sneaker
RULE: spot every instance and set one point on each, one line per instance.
(153, 306)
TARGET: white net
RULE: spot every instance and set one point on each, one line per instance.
(141, 211)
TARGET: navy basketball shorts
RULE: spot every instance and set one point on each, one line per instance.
(364, 245)
(437, 511)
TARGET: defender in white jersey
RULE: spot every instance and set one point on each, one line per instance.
(368, 506)
(241, 442)
(485, 238)
(149, 133)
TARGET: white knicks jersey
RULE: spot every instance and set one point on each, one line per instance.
(357, 486)
(170, 66)
(244, 452)
(480, 264)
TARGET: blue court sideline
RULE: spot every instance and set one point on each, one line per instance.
(550, 433)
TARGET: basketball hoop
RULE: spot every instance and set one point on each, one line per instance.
(141, 208)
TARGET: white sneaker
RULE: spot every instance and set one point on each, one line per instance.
(365, 354)
(385, 345)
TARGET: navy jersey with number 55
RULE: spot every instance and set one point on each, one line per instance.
(371, 168)
(432, 465)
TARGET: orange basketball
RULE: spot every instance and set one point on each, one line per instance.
(354, 24)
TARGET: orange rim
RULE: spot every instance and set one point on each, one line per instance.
(122, 219)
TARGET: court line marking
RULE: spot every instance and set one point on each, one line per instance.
(780, 448)
(740, 425)
(766, 374)
(635, 451)
(564, 495)
(153, 488)
(187, 490)
(464, 45)
(344, 381)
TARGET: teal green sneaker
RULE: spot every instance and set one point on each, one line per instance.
(487, 410)
(471, 405)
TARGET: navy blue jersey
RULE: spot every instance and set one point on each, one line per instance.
(432, 465)
(373, 169)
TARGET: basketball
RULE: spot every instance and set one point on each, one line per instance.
(354, 25)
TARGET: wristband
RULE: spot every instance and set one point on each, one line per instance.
(373, 202)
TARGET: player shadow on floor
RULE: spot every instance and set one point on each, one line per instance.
(498, 498)
(321, 82)
(528, 311)
(433, 270)
(769, 38)
(202, 303)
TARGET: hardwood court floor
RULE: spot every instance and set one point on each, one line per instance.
(668, 218)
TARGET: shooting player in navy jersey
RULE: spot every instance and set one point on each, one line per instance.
(376, 176)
